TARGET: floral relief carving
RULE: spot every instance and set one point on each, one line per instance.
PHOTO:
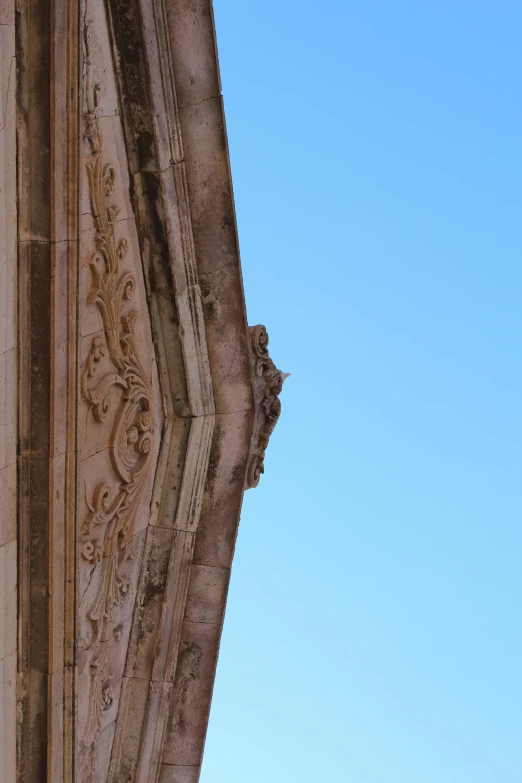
(268, 384)
(118, 391)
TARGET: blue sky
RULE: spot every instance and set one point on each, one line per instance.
(373, 630)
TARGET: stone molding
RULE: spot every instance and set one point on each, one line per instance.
(8, 392)
(48, 168)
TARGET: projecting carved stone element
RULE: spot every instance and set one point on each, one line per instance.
(268, 383)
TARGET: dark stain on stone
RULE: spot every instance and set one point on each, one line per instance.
(227, 224)
(128, 34)
(154, 586)
(238, 473)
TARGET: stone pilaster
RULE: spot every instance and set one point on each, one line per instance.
(48, 218)
(8, 392)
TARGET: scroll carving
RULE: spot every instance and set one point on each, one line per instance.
(120, 399)
(268, 385)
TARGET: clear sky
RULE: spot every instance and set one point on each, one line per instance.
(374, 624)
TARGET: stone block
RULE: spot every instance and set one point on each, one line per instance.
(7, 12)
(8, 398)
(191, 30)
(169, 472)
(133, 705)
(104, 754)
(8, 719)
(57, 547)
(8, 606)
(225, 322)
(7, 184)
(216, 536)
(177, 774)
(209, 185)
(34, 754)
(7, 504)
(207, 594)
(150, 612)
(192, 694)
(56, 744)
(62, 258)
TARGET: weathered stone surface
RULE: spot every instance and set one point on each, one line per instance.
(8, 394)
(7, 504)
(191, 30)
(223, 495)
(192, 694)
(7, 12)
(150, 614)
(176, 774)
(133, 401)
(8, 718)
(207, 594)
(7, 181)
(7, 599)
(48, 217)
(122, 415)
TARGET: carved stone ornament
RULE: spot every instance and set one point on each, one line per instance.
(107, 531)
(268, 383)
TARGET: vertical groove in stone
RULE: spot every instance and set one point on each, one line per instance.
(48, 198)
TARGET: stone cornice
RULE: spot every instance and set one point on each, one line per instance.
(183, 202)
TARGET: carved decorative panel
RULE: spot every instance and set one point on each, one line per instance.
(120, 414)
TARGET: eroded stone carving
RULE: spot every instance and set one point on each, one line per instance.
(268, 385)
(107, 531)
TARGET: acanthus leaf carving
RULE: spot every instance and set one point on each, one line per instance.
(101, 693)
(268, 384)
(120, 397)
